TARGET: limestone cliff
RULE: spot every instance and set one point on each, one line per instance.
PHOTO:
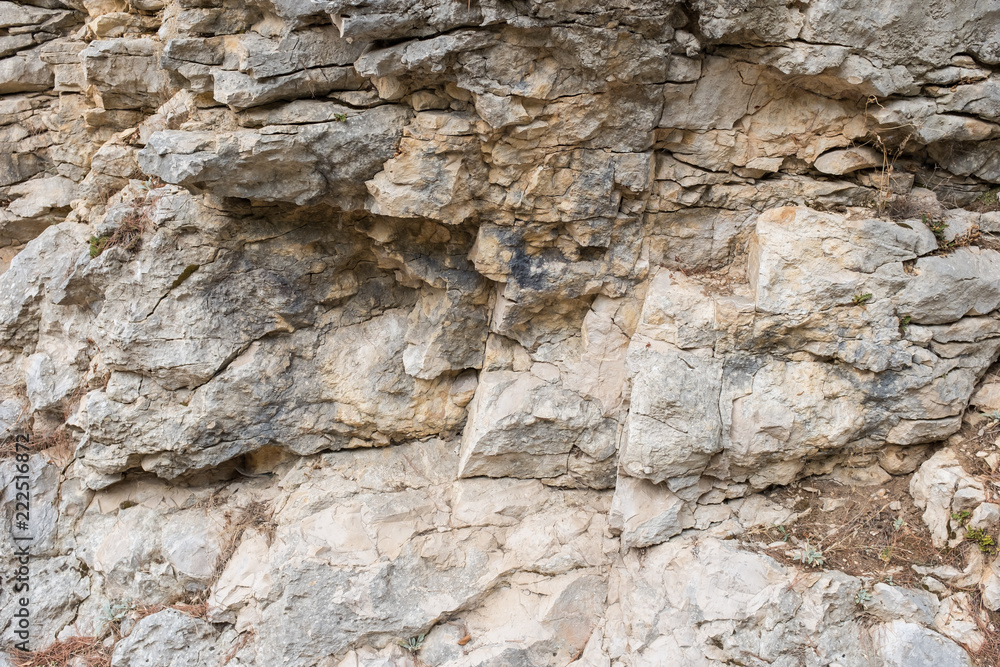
(370, 333)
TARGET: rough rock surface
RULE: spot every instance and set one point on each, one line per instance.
(363, 333)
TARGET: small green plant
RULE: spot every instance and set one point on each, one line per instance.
(863, 597)
(982, 539)
(937, 228)
(988, 201)
(342, 117)
(151, 184)
(811, 557)
(861, 299)
(962, 517)
(904, 324)
(98, 244)
(889, 580)
(898, 523)
(413, 644)
(116, 612)
(885, 555)
(993, 415)
(785, 535)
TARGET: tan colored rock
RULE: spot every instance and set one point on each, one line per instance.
(897, 460)
(125, 73)
(915, 432)
(987, 397)
(849, 159)
(429, 279)
(941, 487)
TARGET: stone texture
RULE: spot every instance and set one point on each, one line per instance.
(501, 324)
(657, 616)
(942, 488)
(168, 639)
(307, 163)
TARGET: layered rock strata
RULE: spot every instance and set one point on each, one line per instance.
(488, 330)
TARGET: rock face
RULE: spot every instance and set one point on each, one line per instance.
(369, 333)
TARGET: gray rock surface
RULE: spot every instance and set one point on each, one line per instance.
(369, 332)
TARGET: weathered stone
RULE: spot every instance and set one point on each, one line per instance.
(241, 91)
(941, 487)
(125, 73)
(427, 281)
(302, 164)
(897, 460)
(25, 72)
(842, 262)
(645, 513)
(915, 432)
(945, 288)
(848, 160)
(723, 586)
(986, 517)
(167, 639)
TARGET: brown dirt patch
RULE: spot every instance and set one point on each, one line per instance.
(858, 530)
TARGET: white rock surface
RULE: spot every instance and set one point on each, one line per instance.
(504, 324)
(941, 488)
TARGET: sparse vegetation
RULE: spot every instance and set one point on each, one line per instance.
(413, 644)
(879, 534)
(937, 227)
(128, 233)
(982, 539)
(986, 202)
(861, 299)
(98, 244)
(811, 556)
(885, 196)
(971, 236)
(861, 531)
(255, 515)
(88, 651)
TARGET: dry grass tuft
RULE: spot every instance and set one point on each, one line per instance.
(255, 515)
(901, 207)
(97, 651)
(91, 651)
(7, 448)
(57, 446)
(128, 234)
(238, 646)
